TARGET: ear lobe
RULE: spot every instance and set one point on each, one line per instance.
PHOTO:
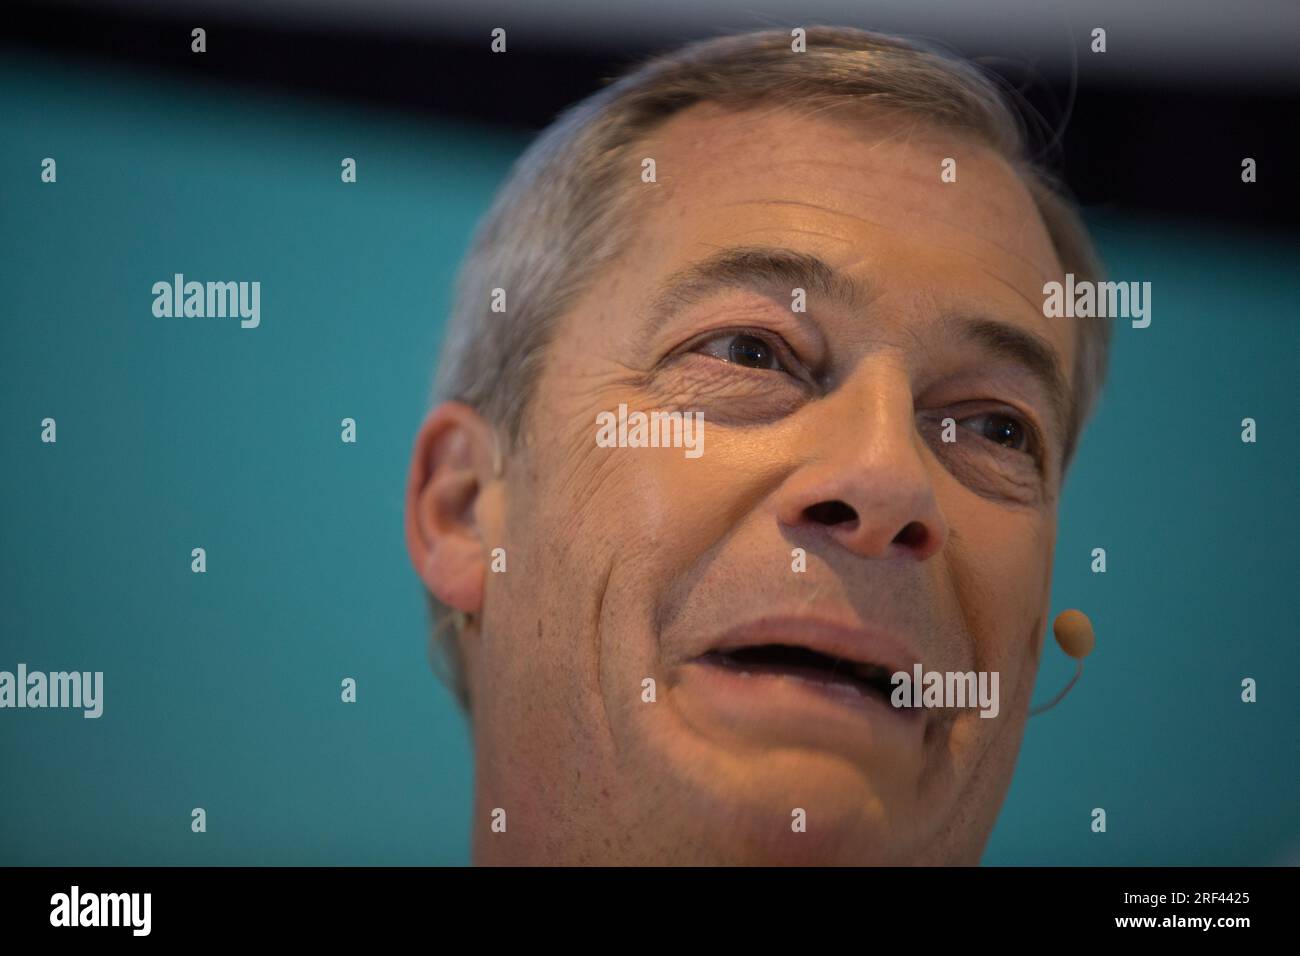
(450, 466)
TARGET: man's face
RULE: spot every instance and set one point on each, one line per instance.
(823, 432)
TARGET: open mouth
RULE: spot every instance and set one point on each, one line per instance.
(867, 680)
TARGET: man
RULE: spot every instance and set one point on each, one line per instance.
(677, 647)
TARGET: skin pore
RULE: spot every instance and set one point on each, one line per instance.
(823, 432)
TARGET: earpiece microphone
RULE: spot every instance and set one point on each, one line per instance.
(1074, 633)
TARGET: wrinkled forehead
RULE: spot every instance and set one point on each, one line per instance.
(883, 171)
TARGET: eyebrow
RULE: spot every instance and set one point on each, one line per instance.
(775, 272)
(772, 272)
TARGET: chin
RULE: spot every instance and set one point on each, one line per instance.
(848, 820)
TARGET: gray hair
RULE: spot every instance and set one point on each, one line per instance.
(563, 214)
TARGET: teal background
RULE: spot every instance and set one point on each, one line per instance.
(222, 690)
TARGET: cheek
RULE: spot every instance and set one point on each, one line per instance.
(606, 537)
(1001, 565)
(595, 538)
(1000, 562)
(589, 532)
(660, 507)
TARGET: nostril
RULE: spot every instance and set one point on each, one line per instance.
(830, 512)
(912, 536)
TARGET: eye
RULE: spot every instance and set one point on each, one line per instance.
(743, 348)
(1006, 430)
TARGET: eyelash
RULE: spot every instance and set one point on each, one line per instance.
(1033, 442)
(781, 353)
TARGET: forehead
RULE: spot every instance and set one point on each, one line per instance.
(861, 190)
(881, 168)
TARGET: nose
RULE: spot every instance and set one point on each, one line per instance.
(863, 480)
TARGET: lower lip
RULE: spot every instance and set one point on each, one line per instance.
(783, 708)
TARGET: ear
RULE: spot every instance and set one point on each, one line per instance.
(454, 460)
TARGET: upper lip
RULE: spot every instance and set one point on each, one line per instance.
(854, 644)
